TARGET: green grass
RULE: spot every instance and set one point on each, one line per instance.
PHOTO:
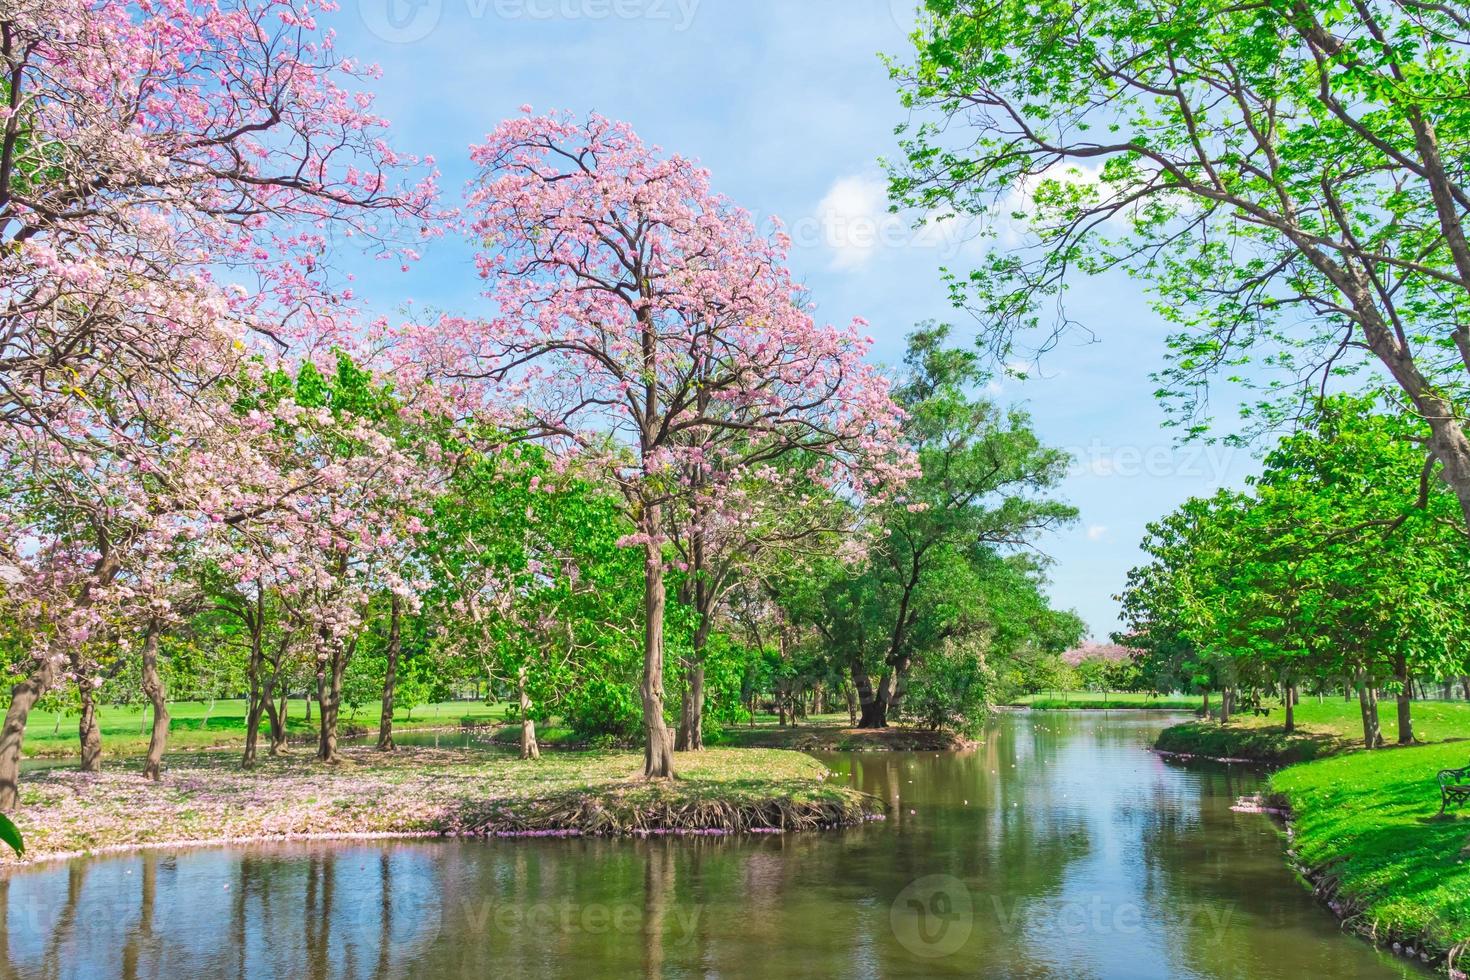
(1366, 828)
(1324, 728)
(194, 725)
(1087, 700)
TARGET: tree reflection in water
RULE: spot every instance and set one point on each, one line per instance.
(1070, 849)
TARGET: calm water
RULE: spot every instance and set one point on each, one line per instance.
(1060, 847)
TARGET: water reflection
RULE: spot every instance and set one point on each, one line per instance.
(1057, 847)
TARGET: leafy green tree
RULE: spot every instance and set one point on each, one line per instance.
(1288, 177)
(940, 572)
(1333, 567)
(531, 586)
(954, 687)
(983, 486)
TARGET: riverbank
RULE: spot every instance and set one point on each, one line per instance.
(1365, 833)
(421, 792)
(199, 725)
(834, 733)
(1326, 728)
(1092, 701)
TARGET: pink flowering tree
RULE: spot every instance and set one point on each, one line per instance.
(638, 315)
(100, 509)
(174, 177)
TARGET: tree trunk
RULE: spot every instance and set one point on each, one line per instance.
(1288, 699)
(852, 711)
(257, 697)
(691, 708)
(91, 737)
(896, 689)
(274, 723)
(875, 715)
(1368, 704)
(153, 690)
(1447, 439)
(1227, 704)
(390, 676)
(867, 698)
(1405, 701)
(529, 748)
(280, 744)
(658, 753)
(329, 700)
(276, 712)
(23, 697)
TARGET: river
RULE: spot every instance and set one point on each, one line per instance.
(1059, 847)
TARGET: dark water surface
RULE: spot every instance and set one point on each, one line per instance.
(1060, 847)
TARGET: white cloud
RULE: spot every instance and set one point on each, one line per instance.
(1097, 532)
(853, 223)
(854, 219)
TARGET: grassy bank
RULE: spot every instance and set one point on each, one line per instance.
(1324, 728)
(199, 725)
(1091, 700)
(834, 733)
(206, 798)
(1365, 832)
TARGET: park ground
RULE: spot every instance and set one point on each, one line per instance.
(205, 797)
(1365, 829)
(198, 725)
(1325, 727)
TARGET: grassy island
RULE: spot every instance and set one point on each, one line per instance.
(206, 798)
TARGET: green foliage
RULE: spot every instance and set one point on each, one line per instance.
(1286, 177)
(953, 688)
(949, 568)
(604, 710)
(11, 836)
(1343, 561)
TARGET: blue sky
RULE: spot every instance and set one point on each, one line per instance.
(788, 105)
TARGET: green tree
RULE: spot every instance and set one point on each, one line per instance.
(1289, 178)
(939, 572)
(1345, 561)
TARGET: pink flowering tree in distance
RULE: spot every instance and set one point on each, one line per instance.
(638, 319)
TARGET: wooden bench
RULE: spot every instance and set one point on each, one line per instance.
(1454, 788)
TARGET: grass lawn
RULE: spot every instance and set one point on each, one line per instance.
(1056, 700)
(1366, 831)
(208, 798)
(1324, 728)
(197, 725)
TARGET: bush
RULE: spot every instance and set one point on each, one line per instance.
(602, 711)
(952, 689)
